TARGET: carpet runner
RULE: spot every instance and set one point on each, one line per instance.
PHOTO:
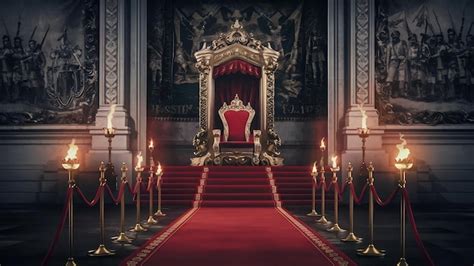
(237, 236)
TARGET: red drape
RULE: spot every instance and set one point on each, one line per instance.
(236, 66)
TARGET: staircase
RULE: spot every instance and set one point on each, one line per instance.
(294, 184)
(180, 185)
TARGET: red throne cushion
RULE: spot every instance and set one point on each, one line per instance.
(236, 120)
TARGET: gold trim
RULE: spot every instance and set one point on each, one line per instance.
(236, 105)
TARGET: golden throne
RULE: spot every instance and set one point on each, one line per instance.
(236, 102)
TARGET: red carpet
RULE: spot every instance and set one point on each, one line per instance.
(237, 236)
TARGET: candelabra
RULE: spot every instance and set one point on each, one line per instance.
(159, 174)
(402, 165)
(71, 165)
(110, 175)
(351, 237)
(122, 238)
(371, 250)
(323, 219)
(138, 227)
(150, 220)
(314, 174)
(335, 227)
(101, 250)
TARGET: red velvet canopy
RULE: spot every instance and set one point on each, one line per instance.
(241, 78)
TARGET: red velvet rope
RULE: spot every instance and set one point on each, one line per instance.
(130, 189)
(414, 228)
(341, 191)
(358, 199)
(149, 186)
(120, 193)
(328, 186)
(59, 229)
(96, 198)
(388, 200)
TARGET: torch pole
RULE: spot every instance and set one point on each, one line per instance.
(159, 213)
(335, 227)
(71, 182)
(150, 220)
(323, 219)
(314, 174)
(351, 237)
(122, 238)
(138, 227)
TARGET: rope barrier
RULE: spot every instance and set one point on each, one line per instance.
(59, 229)
(358, 199)
(342, 190)
(414, 228)
(120, 193)
(388, 200)
(94, 201)
(328, 186)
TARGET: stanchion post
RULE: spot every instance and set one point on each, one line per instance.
(122, 238)
(71, 163)
(314, 174)
(159, 174)
(150, 220)
(102, 250)
(371, 250)
(334, 169)
(139, 169)
(323, 219)
(351, 237)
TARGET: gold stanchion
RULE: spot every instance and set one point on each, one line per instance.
(159, 173)
(323, 219)
(150, 220)
(351, 237)
(402, 163)
(122, 238)
(139, 169)
(70, 163)
(314, 174)
(334, 169)
(371, 250)
(101, 250)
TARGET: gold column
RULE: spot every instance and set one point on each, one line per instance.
(122, 238)
(138, 227)
(159, 174)
(335, 227)
(150, 220)
(314, 174)
(371, 250)
(70, 165)
(323, 219)
(101, 250)
(351, 237)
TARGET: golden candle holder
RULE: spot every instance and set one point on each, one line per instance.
(71, 164)
(335, 228)
(109, 133)
(363, 135)
(371, 250)
(159, 174)
(122, 238)
(138, 227)
(351, 237)
(150, 220)
(314, 174)
(322, 220)
(403, 165)
(102, 250)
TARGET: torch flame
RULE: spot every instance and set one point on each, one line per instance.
(323, 145)
(158, 169)
(402, 151)
(364, 116)
(151, 144)
(139, 160)
(334, 161)
(110, 116)
(315, 170)
(72, 151)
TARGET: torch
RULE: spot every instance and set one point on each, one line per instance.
(314, 174)
(322, 219)
(139, 169)
(109, 133)
(402, 163)
(334, 169)
(150, 220)
(71, 163)
(159, 173)
(363, 135)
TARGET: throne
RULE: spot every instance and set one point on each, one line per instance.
(236, 102)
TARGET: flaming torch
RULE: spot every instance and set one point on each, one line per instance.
(151, 148)
(159, 174)
(322, 147)
(71, 163)
(334, 169)
(139, 169)
(322, 219)
(109, 133)
(402, 163)
(314, 174)
(363, 134)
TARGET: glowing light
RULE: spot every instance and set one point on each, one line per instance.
(139, 160)
(151, 145)
(158, 169)
(323, 145)
(364, 116)
(110, 116)
(402, 151)
(315, 169)
(72, 151)
(334, 161)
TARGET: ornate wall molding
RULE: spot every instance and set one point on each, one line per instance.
(111, 51)
(361, 33)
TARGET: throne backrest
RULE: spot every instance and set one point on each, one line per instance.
(236, 119)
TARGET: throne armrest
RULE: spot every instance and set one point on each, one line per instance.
(216, 133)
(256, 142)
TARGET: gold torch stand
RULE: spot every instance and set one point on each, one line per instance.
(110, 175)
(402, 166)
(122, 238)
(371, 250)
(363, 135)
(101, 250)
(159, 174)
(150, 220)
(335, 227)
(71, 165)
(138, 227)
(351, 237)
(314, 174)
(323, 219)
